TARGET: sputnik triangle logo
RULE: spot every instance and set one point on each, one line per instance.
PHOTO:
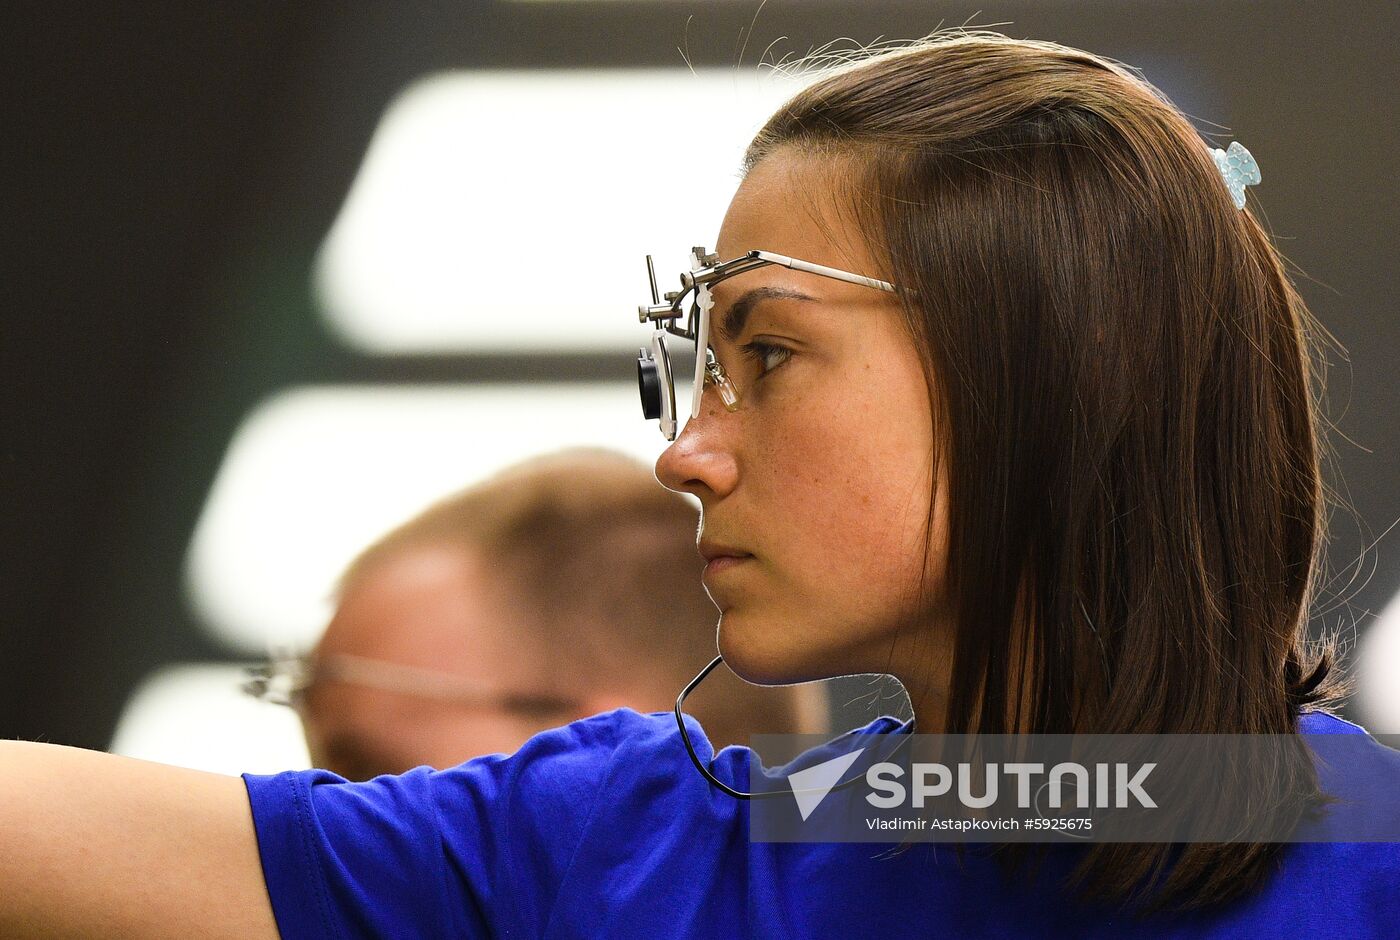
(811, 785)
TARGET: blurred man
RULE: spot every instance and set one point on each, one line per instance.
(562, 587)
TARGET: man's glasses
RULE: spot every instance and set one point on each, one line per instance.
(288, 678)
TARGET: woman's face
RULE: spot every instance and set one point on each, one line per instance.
(821, 480)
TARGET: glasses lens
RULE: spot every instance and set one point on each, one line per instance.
(681, 352)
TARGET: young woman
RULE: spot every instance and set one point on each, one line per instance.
(1048, 454)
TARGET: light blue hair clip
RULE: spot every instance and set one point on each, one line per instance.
(1238, 168)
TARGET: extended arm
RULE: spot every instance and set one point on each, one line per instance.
(96, 845)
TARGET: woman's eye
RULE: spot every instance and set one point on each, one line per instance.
(768, 356)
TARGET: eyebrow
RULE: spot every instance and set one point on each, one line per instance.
(731, 324)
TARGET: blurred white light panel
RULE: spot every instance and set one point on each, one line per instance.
(512, 210)
(194, 715)
(1378, 673)
(316, 474)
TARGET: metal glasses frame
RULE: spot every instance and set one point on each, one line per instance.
(286, 676)
(655, 378)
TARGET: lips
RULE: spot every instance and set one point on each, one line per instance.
(712, 550)
(720, 557)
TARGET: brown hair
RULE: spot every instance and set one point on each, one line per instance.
(602, 561)
(1123, 381)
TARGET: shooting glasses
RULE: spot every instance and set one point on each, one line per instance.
(680, 342)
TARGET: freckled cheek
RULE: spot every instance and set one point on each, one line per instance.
(827, 489)
(878, 487)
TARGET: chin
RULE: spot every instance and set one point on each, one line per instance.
(765, 653)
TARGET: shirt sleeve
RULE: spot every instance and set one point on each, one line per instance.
(477, 850)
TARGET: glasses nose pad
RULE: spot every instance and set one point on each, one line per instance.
(716, 376)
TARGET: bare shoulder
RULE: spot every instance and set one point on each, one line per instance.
(92, 844)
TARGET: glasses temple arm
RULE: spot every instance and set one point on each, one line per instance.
(821, 269)
(670, 311)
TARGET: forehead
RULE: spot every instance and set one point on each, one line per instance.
(791, 204)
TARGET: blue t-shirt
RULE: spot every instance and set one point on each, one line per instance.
(603, 828)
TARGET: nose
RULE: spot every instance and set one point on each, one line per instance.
(701, 460)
